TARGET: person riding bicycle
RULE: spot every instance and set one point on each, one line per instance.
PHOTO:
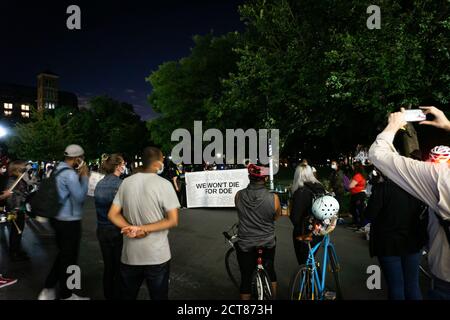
(305, 186)
(257, 211)
(426, 181)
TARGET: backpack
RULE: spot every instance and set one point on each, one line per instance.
(46, 202)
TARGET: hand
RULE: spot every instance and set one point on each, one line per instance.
(83, 171)
(396, 121)
(306, 237)
(134, 232)
(440, 120)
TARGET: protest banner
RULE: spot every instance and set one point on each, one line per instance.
(94, 178)
(214, 188)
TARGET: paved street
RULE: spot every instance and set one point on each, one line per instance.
(198, 250)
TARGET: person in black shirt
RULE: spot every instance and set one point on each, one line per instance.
(304, 186)
(397, 236)
(109, 236)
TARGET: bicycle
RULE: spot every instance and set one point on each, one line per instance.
(231, 263)
(261, 283)
(311, 282)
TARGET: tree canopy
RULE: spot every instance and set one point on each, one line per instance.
(312, 69)
(107, 126)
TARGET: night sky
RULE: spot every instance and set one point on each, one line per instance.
(119, 45)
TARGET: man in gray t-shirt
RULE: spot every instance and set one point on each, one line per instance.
(145, 208)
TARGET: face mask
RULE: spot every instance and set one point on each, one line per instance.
(162, 168)
(3, 170)
(334, 166)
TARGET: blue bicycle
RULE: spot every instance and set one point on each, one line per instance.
(318, 279)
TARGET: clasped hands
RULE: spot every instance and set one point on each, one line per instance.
(134, 232)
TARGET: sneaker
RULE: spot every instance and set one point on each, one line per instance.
(4, 282)
(47, 294)
(75, 297)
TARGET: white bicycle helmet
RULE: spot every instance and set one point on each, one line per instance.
(325, 208)
(440, 154)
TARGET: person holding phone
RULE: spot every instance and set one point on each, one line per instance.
(426, 181)
(72, 184)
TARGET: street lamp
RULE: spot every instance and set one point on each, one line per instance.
(3, 132)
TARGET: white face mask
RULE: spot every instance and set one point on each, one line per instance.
(334, 166)
(161, 169)
(3, 170)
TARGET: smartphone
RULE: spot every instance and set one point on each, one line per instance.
(415, 115)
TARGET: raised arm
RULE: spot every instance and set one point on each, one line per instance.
(420, 179)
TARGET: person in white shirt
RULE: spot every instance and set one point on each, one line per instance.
(428, 182)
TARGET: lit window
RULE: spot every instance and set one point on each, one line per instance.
(49, 105)
(25, 107)
(8, 106)
(25, 114)
(8, 113)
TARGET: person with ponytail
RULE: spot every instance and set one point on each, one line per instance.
(109, 236)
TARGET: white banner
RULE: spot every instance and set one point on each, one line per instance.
(94, 178)
(214, 188)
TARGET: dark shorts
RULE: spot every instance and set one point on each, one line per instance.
(247, 265)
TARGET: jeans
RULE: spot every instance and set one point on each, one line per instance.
(155, 276)
(68, 237)
(402, 276)
(111, 240)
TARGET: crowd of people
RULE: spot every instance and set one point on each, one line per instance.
(406, 201)
(408, 209)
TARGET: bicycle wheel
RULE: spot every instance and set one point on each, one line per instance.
(301, 286)
(261, 285)
(333, 282)
(232, 266)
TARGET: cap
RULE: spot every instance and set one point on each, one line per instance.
(258, 172)
(73, 151)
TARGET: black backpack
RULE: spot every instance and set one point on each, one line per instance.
(46, 201)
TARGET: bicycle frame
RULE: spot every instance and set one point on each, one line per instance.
(318, 280)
